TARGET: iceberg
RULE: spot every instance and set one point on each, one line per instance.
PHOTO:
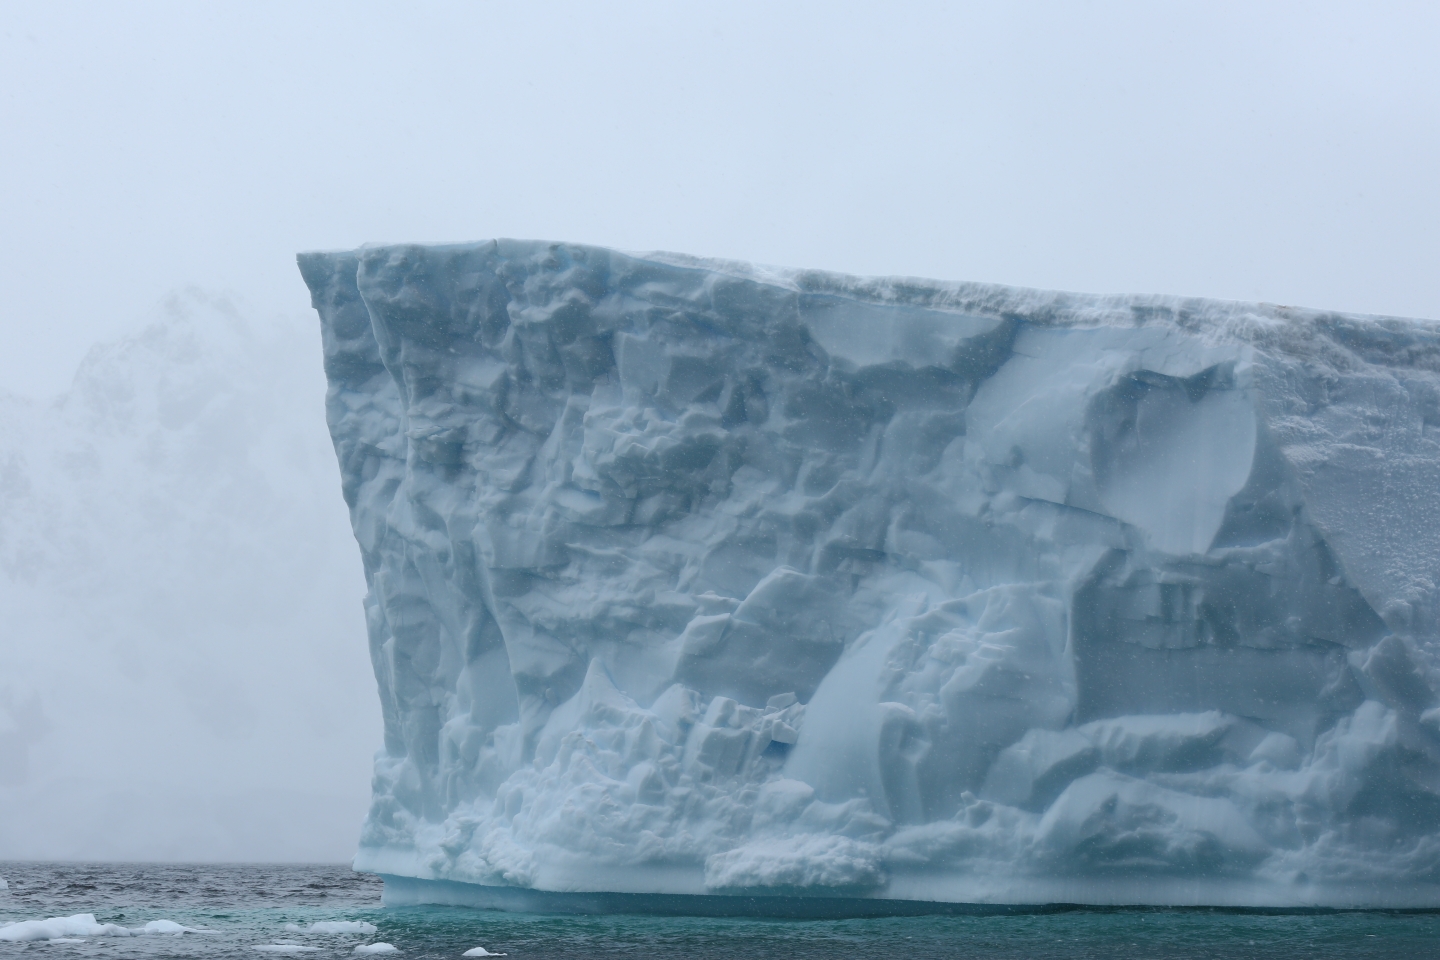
(696, 586)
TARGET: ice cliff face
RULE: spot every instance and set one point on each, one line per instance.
(687, 576)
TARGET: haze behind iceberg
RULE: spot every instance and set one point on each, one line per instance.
(179, 673)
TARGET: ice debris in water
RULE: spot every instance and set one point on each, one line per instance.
(480, 952)
(79, 925)
(695, 577)
(333, 926)
(85, 925)
(170, 927)
(369, 948)
(284, 948)
(3, 884)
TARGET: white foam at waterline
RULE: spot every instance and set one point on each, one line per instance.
(368, 948)
(480, 952)
(67, 940)
(333, 926)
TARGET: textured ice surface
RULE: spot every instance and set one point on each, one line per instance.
(692, 577)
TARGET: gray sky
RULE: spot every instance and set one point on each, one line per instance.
(1275, 151)
(182, 664)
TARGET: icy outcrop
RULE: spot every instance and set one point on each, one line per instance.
(692, 577)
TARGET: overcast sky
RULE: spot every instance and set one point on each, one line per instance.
(1272, 151)
(182, 661)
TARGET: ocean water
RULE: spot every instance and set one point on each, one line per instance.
(250, 905)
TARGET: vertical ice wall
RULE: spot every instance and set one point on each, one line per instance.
(687, 576)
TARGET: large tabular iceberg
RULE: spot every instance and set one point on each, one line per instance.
(691, 577)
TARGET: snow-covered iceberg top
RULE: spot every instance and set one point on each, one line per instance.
(692, 577)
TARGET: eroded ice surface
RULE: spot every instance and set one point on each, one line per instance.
(691, 577)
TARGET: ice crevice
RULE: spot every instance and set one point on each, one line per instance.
(688, 576)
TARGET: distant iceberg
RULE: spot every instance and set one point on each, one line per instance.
(759, 587)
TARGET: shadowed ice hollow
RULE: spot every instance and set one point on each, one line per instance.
(690, 577)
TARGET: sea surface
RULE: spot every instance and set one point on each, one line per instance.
(250, 905)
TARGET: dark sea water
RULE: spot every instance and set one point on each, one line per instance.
(250, 905)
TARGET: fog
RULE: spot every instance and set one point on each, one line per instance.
(183, 669)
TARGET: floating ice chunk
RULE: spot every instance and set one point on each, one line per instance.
(480, 952)
(333, 926)
(67, 940)
(366, 949)
(79, 925)
(168, 927)
(284, 948)
(3, 884)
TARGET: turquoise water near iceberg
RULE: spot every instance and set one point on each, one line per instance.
(251, 905)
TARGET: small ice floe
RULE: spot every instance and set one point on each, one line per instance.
(3, 884)
(284, 948)
(480, 952)
(365, 949)
(333, 926)
(159, 927)
(67, 940)
(58, 928)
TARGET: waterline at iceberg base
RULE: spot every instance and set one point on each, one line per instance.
(690, 577)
